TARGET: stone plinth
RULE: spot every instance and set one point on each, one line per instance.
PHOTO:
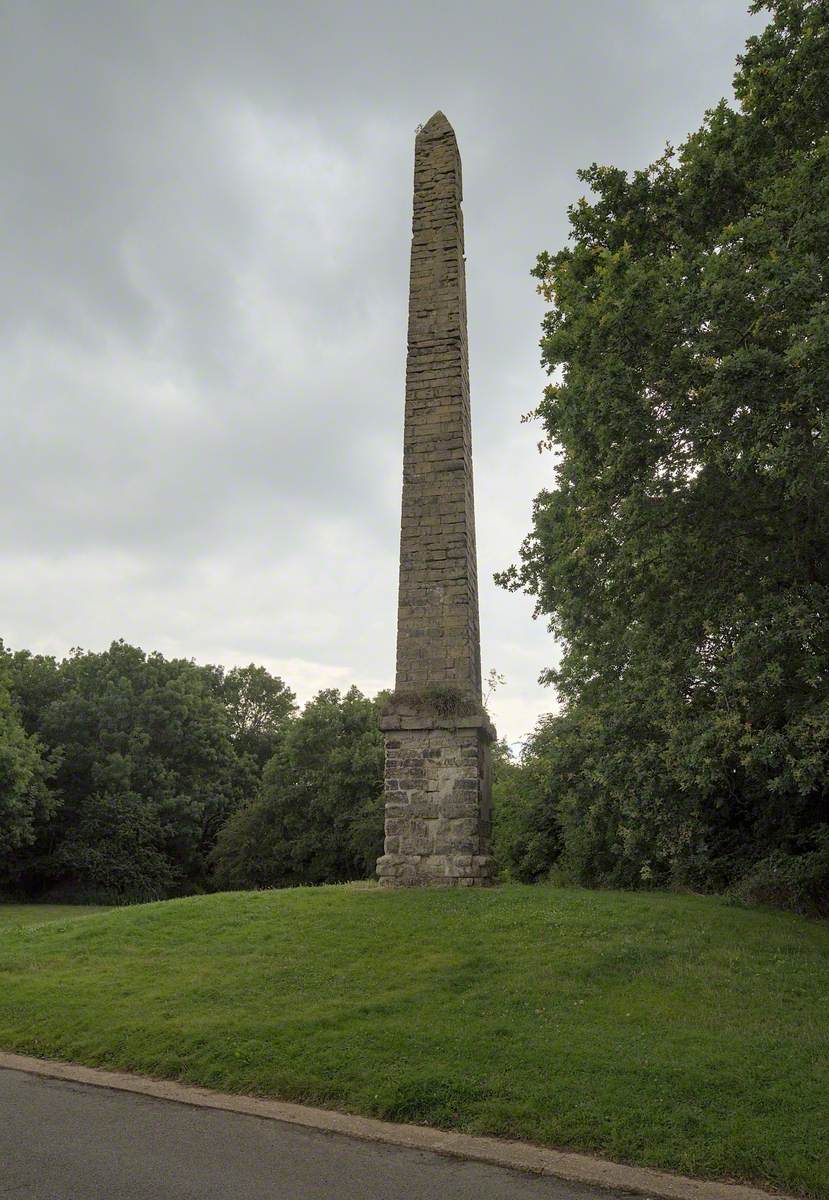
(438, 808)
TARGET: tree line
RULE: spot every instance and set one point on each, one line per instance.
(127, 776)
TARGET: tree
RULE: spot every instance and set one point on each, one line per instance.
(526, 836)
(147, 772)
(25, 800)
(259, 706)
(318, 817)
(35, 681)
(682, 553)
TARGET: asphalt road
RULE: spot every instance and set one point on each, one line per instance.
(71, 1141)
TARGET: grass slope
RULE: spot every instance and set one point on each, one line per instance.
(671, 1031)
(38, 914)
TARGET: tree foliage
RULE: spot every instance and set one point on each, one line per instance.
(149, 757)
(526, 836)
(682, 555)
(120, 771)
(25, 799)
(318, 817)
(259, 705)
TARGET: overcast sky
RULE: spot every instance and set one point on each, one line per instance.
(206, 213)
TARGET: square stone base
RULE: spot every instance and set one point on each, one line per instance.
(435, 870)
(438, 803)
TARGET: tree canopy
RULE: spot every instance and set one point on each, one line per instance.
(120, 767)
(682, 552)
(128, 776)
(25, 799)
(318, 816)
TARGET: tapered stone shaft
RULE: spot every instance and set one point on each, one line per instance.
(437, 734)
(437, 623)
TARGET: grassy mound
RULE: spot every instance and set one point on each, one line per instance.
(12, 915)
(671, 1031)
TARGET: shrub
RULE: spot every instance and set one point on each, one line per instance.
(796, 882)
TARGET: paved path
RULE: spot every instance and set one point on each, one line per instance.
(70, 1141)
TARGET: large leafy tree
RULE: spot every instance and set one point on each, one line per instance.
(318, 817)
(682, 554)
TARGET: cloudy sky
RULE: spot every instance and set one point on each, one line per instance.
(204, 243)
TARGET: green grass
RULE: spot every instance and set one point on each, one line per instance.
(37, 914)
(671, 1031)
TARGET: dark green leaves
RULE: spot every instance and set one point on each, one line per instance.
(682, 553)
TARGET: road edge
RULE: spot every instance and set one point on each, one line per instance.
(519, 1156)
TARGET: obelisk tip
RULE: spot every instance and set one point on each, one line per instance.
(437, 125)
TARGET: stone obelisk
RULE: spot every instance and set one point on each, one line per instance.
(438, 736)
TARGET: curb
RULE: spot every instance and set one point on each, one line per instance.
(518, 1156)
